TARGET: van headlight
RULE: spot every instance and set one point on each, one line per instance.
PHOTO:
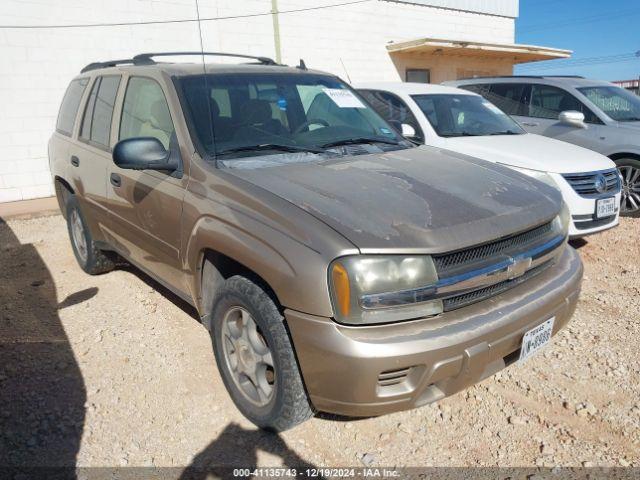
(544, 177)
(369, 289)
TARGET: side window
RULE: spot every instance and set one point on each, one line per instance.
(392, 109)
(479, 88)
(145, 112)
(70, 105)
(96, 124)
(548, 101)
(508, 97)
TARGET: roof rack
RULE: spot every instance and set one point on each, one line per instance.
(522, 76)
(147, 59)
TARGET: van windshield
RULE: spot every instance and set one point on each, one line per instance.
(618, 103)
(247, 114)
(455, 115)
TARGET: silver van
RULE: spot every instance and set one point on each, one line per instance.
(591, 113)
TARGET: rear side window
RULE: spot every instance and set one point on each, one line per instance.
(145, 112)
(508, 97)
(70, 105)
(96, 124)
(393, 110)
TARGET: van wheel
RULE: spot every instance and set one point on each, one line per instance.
(255, 357)
(629, 168)
(90, 258)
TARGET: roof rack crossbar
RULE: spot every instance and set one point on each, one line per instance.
(146, 58)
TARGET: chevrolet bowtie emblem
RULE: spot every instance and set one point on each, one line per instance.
(518, 267)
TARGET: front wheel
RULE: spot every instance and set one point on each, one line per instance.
(256, 358)
(629, 168)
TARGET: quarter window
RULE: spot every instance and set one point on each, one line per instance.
(70, 105)
(96, 125)
(145, 112)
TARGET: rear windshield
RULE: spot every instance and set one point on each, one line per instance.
(618, 103)
(232, 112)
(70, 104)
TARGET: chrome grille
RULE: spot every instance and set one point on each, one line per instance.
(451, 263)
(463, 300)
(585, 183)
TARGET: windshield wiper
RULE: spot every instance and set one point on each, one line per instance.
(629, 119)
(354, 141)
(459, 134)
(269, 146)
(505, 132)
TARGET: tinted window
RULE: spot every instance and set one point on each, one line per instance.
(508, 97)
(418, 75)
(393, 110)
(145, 112)
(70, 104)
(465, 115)
(479, 88)
(96, 125)
(548, 102)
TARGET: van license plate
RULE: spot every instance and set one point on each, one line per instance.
(536, 338)
(605, 207)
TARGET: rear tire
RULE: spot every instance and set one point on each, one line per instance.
(629, 168)
(256, 358)
(90, 258)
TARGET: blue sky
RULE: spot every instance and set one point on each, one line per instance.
(591, 28)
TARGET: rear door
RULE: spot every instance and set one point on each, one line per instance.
(90, 155)
(147, 205)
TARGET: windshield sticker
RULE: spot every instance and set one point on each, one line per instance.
(282, 103)
(343, 98)
(386, 131)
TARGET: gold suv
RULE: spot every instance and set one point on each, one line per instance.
(338, 266)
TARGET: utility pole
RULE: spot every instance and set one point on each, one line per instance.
(276, 30)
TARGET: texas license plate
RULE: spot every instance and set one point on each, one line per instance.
(605, 207)
(536, 338)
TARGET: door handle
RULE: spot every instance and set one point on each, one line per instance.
(116, 181)
(530, 124)
(75, 161)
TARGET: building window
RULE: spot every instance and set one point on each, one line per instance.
(418, 75)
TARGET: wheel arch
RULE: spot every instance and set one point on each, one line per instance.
(621, 155)
(63, 189)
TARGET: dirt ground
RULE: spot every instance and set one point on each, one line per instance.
(113, 371)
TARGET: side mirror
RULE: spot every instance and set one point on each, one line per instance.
(407, 130)
(143, 153)
(572, 118)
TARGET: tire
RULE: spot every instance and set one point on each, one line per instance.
(90, 258)
(275, 398)
(629, 168)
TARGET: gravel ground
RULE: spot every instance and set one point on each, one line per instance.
(114, 371)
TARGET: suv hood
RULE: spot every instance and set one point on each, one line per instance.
(531, 151)
(418, 200)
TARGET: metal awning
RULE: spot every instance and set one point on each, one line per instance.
(514, 52)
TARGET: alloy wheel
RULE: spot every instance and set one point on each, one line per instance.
(248, 356)
(77, 232)
(630, 188)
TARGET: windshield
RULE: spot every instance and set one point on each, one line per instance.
(248, 114)
(618, 103)
(454, 115)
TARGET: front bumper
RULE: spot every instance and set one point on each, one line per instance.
(373, 370)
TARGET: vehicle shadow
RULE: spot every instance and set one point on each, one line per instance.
(578, 243)
(42, 392)
(237, 447)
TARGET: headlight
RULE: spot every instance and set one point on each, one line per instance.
(561, 222)
(376, 288)
(538, 175)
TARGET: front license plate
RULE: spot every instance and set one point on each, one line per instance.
(536, 338)
(605, 207)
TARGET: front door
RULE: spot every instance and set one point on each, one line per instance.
(147, 205)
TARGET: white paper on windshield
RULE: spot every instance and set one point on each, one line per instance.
(343, 98)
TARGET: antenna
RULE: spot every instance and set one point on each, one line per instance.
(302, 65)
(345, 70)
(206, 82)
